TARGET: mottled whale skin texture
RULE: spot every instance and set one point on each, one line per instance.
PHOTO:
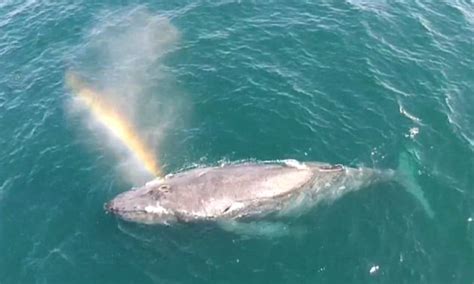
(240, 191)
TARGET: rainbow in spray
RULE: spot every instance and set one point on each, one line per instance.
(114, 122)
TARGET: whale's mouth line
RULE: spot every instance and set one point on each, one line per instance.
(110, 209)
(122, 212)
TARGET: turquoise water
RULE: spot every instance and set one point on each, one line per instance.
(353, 82)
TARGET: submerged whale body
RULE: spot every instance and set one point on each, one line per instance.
(239, 192)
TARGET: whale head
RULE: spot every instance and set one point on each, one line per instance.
(142, 205)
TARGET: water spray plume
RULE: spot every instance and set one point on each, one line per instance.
(113, 121)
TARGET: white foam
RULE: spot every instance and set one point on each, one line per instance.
(409, 115)
(295, 164)
(414, 131)
(154, 182)
(374, 269)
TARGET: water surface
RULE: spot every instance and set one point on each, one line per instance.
(356, 82)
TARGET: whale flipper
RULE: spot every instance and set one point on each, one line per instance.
(406, 176)
(262, 229)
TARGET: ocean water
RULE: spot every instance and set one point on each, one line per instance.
(355, 82)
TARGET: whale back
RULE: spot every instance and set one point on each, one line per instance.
(209, 192)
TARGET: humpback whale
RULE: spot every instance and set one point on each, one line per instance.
(244, 191)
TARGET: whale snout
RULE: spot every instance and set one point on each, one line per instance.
(139, 206)
(118, 206)
(109, 208)
(125, 202)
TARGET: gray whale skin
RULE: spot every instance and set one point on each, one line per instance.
(240, 192)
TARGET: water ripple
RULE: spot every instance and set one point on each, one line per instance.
(338, 82)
